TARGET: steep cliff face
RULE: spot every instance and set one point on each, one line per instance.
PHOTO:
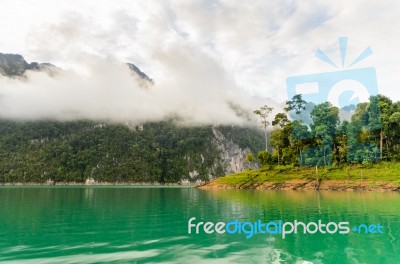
(232, 156)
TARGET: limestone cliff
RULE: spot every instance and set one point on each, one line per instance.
(232, 156)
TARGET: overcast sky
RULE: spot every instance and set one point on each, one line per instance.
(256, 45)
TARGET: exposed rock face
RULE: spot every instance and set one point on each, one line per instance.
(15, 65)
(12, 64)
(141, 74)
(232, 156)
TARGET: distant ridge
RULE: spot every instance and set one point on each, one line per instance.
(15, 65)
(141, 74)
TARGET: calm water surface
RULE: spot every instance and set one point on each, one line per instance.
(149, 225)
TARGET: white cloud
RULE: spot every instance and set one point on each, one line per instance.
(253, 45)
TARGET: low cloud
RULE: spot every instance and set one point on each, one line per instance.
(193, 89)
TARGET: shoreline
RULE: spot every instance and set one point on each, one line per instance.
(94, 184)
(309, 184)
(292, 184)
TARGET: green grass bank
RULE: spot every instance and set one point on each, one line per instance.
(379, 176)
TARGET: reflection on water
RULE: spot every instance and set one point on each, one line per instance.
(180, 253)
(149, 225)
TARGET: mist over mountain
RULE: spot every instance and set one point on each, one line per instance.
(112, 122)
(15, 65)
(194, 90)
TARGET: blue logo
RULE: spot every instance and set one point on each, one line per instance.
(343, 88)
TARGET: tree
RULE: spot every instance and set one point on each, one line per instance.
(394, 134)
(264, 158)
(374, 120)
(323, 139)
(263, 114)
(297, 104)
(325, 118)
(280, 120)
(280, 135)
(278, 142)
(379, 112)
(326, 114)
(298, 136)
(361, 114)
(341, 143)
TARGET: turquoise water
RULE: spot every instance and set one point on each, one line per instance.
(150, 225)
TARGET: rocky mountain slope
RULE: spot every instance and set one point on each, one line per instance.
(15, 65)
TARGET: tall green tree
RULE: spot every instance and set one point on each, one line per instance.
(263, 114)
(379, 112)
(325, 118)
(280, 135)
(298, 138)
(297, 104)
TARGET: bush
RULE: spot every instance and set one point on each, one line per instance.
(265, 158)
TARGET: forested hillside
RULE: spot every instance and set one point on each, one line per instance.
(153, 152)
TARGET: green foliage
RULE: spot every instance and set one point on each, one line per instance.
(249, 157)
(265, 158)
(297, 104)
(384, 171)
(373, 134)
(280, 120)
(165, 152)
(75, 151)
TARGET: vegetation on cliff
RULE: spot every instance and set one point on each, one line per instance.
(75, 151)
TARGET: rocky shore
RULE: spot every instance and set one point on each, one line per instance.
(309, 184)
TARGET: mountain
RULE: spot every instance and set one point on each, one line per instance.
(80, 151)
(141, 74)
(12, 65)
(15, 65)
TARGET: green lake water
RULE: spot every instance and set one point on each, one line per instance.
(150, 225)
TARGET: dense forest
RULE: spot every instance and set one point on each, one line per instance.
(371, 134)
(75, 151)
